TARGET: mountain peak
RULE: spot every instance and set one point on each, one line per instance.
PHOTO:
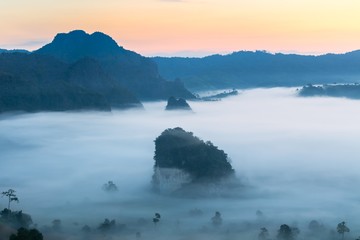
(77, 44)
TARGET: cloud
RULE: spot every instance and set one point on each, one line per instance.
(28, 45)
(300, 156)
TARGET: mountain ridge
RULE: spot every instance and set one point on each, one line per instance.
(134, 72)
(247, 69)
(79, 71)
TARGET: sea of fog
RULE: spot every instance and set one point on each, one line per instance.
(299, 158)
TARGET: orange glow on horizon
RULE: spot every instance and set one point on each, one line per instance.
(151, 27)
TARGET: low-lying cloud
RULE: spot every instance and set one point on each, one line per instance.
(299, 155)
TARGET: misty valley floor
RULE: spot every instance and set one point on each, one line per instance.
(299, 157)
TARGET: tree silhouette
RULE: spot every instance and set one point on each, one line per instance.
(15, 219)
(107, 225)
(110, 186)
(342, 229)
(264, 234)
(24, 234)
(285, 233)
(216, 220)
(156, 219)
(11, 196)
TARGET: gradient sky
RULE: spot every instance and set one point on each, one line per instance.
(189, 27)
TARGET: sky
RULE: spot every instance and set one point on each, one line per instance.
(189, 27)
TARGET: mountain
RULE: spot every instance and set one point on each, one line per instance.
(88, 74)
(79, 71)
(130, 70)
(260, 69)
(17, 94)
(33, 82)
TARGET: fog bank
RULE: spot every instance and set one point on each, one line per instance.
(298, 155)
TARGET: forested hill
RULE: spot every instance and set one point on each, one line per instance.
(80, 71)
(246, 69)
(134, 72)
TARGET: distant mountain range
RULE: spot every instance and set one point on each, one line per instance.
(13, 51)
(80, 71)
(260, 69)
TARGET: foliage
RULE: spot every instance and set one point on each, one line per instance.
(216, 220)
(110, 186)
(338, 90)
(107, 225)
(15, 219)
(25, 234)
(56, 224)
(264, 234)
(176, 148)
(342, 229)
(11, 196)
(287, 233)
(157, 218)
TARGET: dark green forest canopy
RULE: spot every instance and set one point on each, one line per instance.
(176, 148)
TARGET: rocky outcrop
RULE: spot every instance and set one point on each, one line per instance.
(183, 162)
(177, 104)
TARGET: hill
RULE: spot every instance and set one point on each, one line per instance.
(134, 72)
(246, 69)
(58, 86)
(185, 165)
(32, 96)
(176, 148)
(351, 91)
(177, 104)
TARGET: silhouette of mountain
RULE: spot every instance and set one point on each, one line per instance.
(260, 69)
(88, 74)
(136, 73)
(56, 86)
(17, 94)
(80, 71)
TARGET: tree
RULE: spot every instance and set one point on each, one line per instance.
(285, 233)
(56, 225)
(15, 219)
(342, 229)
(264, 234)
(176, 148)
(25, 234)
(156, 219)
(107, 225)
(11, 196)
(216, 220)
(110, 186)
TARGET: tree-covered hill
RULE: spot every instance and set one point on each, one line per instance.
(176, 148)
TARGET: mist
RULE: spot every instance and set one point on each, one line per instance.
(297, 156)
